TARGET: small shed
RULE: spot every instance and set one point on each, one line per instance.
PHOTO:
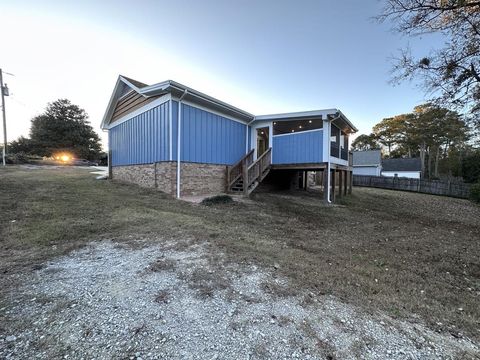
(367, 162)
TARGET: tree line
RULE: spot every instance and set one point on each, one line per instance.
(63, 126)
(440, 137)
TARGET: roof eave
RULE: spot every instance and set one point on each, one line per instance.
(354, 129)
(296, 115)
(173, 86)
(109, 110)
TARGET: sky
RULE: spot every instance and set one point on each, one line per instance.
(261, 56)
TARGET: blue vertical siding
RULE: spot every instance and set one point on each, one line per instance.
(174, 129)
(206, 137)
(143, 139)
(302, 147)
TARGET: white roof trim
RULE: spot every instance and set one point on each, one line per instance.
(169, 85)
(293, 115)
(114, 98)
(306, 114)
(163, 86)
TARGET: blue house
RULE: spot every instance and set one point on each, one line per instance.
(183, 142)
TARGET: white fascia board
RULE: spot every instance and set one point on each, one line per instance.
(170, 84)
(149, 106)
(210, 99)
(155, 88)
(109, 109)
(129, 84)
(295, 115)
(348, 121)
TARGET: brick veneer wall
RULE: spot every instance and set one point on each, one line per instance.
(143, 175)
(167, 177)
(201, 179)
(196, 179)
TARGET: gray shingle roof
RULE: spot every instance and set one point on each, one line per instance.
(368, 157)
(408, 164)
(134, 82)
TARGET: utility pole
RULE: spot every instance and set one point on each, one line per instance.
(4, 91)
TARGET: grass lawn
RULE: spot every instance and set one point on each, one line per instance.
(413, 256)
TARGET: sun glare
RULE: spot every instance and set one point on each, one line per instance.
(64, 157)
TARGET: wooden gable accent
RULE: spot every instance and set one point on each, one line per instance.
(130, 102)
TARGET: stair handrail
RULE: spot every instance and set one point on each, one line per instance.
(255, 171)
(235, 171)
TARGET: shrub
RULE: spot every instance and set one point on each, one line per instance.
(475, 192)
(218, 199)
(18, 158)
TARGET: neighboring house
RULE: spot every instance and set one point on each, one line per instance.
(368, 162)
(409, 167)
(183, 142)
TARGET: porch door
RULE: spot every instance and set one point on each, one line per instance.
(262, 141)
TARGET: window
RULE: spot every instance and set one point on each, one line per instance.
(294, 126)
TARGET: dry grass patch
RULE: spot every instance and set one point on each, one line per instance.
(411, 255)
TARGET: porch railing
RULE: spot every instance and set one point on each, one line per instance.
(257, 171)
(235, 171)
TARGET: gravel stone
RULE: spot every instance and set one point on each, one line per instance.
(104, 302)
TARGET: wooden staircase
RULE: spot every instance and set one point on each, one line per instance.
(245, 175)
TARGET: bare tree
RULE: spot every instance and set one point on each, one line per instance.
(451, 74)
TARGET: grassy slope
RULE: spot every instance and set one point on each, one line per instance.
(404, 253)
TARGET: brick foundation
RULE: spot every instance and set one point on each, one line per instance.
(202, 179)
(143, 175)
(196, 179)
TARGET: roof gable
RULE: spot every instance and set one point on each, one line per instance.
(402, 164)
(123, 86)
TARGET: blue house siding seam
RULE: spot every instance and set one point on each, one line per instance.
(143, 139)
(306, 147)
(207, 137)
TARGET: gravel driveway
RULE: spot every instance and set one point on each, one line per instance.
(167, 302)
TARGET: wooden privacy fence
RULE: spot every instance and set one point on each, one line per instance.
(436, 187)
